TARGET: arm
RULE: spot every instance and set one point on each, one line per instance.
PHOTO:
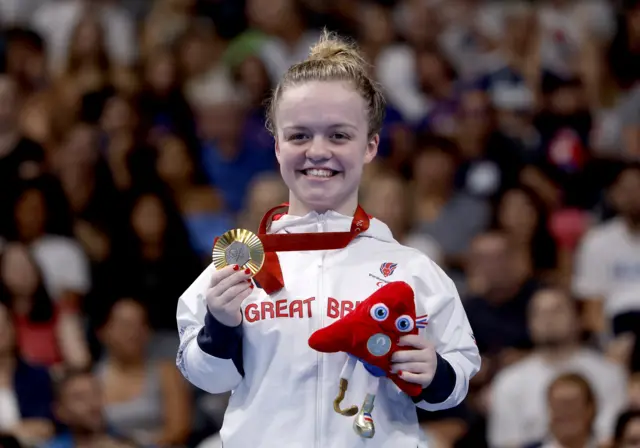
(210, 354)
(177, 409)
(458, 358)
(71, 339)
(590, 282)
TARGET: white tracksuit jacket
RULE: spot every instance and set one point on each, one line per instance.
(282, 389)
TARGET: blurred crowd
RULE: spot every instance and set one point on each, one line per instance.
(132, 133)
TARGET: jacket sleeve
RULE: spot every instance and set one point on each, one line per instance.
(210, 354)
(449, 330)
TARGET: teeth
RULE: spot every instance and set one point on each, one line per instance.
(319, 172)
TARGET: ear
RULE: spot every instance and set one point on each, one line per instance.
(277, 148)
(372, 149)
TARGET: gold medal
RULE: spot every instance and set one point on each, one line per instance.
(241, 247)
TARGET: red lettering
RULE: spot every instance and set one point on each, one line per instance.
(267, 309)
(251, 313)
(281, 308)
(333, 308)
(345, 308)
(308, 303)
(358, 303)
(295, 308)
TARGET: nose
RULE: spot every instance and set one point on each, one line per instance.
(318, 150)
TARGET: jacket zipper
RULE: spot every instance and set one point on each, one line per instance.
(321, 305)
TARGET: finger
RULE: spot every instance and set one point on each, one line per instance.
(231, 293)
(415, 341)
(238, 277)
(236, 302)
(409, 356)
(409, 377)
(220, 274)
(413, 367)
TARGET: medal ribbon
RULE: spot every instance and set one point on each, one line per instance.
(270, 276)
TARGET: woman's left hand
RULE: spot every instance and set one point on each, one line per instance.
(417, 365)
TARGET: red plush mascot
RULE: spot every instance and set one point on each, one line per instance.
(370, 334)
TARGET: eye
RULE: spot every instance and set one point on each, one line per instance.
(404, 323)
(297, 137)
(379, 312)
(340, 136)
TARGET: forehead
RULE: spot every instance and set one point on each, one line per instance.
(321, 103)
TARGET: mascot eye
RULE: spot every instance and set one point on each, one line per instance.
(404, 323)
(379, 312)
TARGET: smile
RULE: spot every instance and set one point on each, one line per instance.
(322, 173)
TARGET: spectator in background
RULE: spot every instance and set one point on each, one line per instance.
(157, 238)
(41, 221)
(451, 217)
(497, 301)
(20, 158)
(144, 400)
(628, 430)
(555, 331)
(386, 197)
(26, 392)
(522, 215)
(78, 406)
(572, 411)
(265, 191)
(56, 20)
(48, 332)
(201, 206)
(607, 274)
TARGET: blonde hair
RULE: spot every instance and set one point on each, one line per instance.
(333, 59)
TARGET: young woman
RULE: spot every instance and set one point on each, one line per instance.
(326, 116)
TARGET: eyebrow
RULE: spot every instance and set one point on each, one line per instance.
(331, 126)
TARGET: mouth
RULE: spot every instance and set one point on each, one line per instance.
(319, 173)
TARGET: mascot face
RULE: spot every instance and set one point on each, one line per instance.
(371, 332)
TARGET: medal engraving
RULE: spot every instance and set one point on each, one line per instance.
(379, 344)
(238, 247)
(237, 253)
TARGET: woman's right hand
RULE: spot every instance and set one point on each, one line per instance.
(229, 287)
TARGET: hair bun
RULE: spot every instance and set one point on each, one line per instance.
(330, 47)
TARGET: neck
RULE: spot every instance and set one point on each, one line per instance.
(561, 352)
(151, 250)
(292, 32)
(297, 208)
(126, 365)
(633, 225)
(574, 441)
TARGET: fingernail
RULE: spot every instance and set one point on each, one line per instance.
(247, 271)
(251, 285)
(399, 372)
(236, 267)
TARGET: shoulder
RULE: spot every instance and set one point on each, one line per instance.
(513, 376)
(602, 234)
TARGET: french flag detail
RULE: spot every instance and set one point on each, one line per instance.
(422, 321)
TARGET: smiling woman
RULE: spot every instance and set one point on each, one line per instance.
(326, 116)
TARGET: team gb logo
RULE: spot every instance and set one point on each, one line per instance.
(387, 269)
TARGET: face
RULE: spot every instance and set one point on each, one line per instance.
(631, 435)
(80, 405)
(126, 333)
(30, 214)
(161, 72)
(254, 78)
(375, 24)
(433, 170)
(322, 145)
(383, 201)
(570, 412)
(517, 215)
(7, 335)
(88, 37)
(489, 258)
(265, 193)
(174, 164)
(149, 219)
(626, 194)
(18, 271)
(117, 115)
(474, 115)
(552, 318)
